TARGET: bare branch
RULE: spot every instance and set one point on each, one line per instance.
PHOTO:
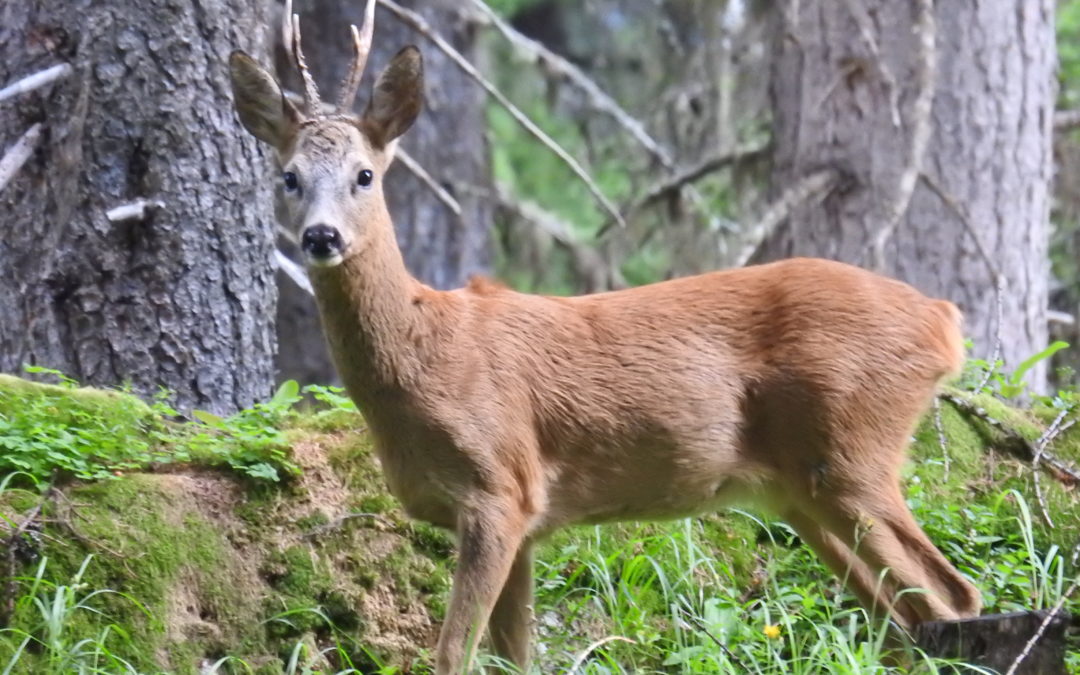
(414, 167)
(812, 187)
(919, 125)
(35, 81)
(1042, 628)
(420, 25)
(555, 64)
(940, 428)
(18, 153)
(588, 262)
(1066, 120)
(136, 210)
(1053, 431)
(293, 271)
(703, 168)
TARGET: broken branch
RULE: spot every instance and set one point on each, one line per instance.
(35, 81)
(18, 153)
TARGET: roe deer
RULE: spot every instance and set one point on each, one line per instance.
(503, 416)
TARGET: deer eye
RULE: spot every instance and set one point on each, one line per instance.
(364, 178)
(291, 183)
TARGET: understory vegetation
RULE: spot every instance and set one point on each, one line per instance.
(136, 542)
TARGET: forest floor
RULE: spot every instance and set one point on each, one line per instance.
(266, 542)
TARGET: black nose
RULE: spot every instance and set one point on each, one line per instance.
(321, 241)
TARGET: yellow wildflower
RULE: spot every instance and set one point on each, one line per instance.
(771, 631)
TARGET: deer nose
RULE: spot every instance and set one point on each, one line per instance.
(321, 241)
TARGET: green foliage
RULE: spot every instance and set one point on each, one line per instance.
(63, 431)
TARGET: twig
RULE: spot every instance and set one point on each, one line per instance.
(136, 210)
(730, 654)
(420, 25)
(415, 169)
(18, 153)
(559, 66)
(862, 18)
(35, 81)
(1042, 628)
(593, 647)
(1066, 120)
(704, 167)
(293, 271)
(336, 523)
(813, 186)
(941, 435)
(1053, 431)
(10, 545)
(1018, 446)
(925, 29)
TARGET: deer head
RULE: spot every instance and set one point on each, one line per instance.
(332, 162)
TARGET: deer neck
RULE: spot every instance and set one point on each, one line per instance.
(370, 317)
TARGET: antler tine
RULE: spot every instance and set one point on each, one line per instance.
(362, 47)
(291, 33)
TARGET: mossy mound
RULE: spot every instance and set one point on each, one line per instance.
(192, 566)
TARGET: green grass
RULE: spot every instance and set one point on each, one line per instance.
(264, 580)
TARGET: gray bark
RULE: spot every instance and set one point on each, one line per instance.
(990, 149)
(184, 297)
(447, 140)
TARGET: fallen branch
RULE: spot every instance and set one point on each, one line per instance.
(593, 647)
(1052, 432)
(136, 210)
(420, 25)
(1042, 628)
(18, 153)
(1016, 444)
(559, 66)
(811, 187)
(35, 81)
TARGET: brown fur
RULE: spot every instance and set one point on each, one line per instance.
(504, 416)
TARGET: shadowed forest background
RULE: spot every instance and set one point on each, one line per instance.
(566, 147)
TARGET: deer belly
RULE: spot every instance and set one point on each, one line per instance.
(650, 485)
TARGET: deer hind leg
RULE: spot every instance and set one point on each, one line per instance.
(875, 592)
(490, 533)
(878, 527)
(511, 620)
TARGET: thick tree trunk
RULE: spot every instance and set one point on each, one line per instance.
(440, 248)
(844, 86)
(182, 298)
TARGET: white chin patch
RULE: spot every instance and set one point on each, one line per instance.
(332, 261)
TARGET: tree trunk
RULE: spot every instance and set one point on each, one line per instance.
(845, 85)
(181, 298)
(440, 248)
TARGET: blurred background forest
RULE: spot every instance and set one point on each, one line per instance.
(590, 145)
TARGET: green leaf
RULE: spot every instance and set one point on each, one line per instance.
(209, 419)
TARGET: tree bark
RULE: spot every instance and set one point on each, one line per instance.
(845, 85)
(440, 248)
(183, 297)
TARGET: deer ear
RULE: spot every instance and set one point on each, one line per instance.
(263, 108)
(396, 101)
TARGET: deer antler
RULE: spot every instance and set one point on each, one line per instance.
(361, 47)
(290, 34)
